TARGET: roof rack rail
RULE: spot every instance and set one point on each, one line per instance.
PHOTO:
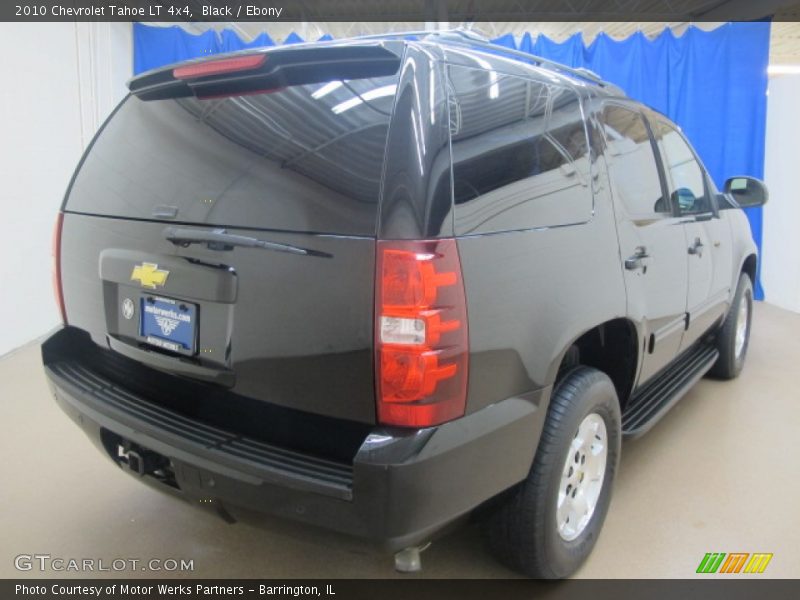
(579, 72)
(459, 31)
(473, 39)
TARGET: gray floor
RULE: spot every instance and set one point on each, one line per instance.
(718, 474)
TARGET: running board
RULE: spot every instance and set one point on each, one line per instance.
(653, 401)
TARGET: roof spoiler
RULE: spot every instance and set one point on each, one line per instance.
(267, 69)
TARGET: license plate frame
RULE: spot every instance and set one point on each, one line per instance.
(169, 324)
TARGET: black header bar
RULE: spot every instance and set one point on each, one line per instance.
(399, 589)
(454, 11)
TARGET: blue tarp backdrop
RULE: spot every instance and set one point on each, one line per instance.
(712, 83)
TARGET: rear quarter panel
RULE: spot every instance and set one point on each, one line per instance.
(529, 295)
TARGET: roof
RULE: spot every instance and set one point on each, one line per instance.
(502, 59)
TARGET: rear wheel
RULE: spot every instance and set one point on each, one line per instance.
(733, 337)
(549, 524)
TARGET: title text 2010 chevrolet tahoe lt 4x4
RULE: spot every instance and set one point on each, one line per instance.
(375, 285)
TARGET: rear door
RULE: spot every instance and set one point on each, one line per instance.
(708, 240)
(652, 244)
(230, 238)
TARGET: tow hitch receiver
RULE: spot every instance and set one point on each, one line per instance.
(139, 460)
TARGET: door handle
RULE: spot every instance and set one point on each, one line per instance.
(696, 249)
(639, 259)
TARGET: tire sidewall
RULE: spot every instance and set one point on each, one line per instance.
(566, 556)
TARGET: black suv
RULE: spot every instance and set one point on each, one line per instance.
(378, 284)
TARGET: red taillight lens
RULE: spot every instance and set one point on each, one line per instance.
(421, 339)
(220, 67)
(57, 291)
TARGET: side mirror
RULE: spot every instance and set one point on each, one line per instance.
(747, 191)
(685, 198)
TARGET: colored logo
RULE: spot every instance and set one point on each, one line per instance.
(735, 562)
(149, 275)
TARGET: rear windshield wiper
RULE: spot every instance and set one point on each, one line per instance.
(219, 239)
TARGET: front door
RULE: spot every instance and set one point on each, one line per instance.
(708, 240)
(651, 238)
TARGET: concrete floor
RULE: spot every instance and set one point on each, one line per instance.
(718, 474)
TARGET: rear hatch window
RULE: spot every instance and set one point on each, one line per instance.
(305, 158)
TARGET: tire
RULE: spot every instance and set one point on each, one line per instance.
(732, 353)
(523, 530)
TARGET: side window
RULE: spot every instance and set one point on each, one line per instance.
(520, 153)
(632, 163)
(687, 184)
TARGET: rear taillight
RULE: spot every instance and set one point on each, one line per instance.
(57, 290)
(421, 341)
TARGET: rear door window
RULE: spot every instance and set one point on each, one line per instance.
(632, 163)
(305, 158)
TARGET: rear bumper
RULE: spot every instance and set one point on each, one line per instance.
(401, 487)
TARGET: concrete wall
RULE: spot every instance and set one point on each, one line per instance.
(60, 81)
(780, 267)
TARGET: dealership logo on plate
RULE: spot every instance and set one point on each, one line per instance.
(167, 325)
